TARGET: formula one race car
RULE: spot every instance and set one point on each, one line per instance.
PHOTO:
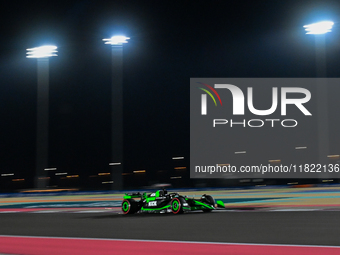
(162, 202)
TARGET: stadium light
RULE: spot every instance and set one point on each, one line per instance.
(42, 52)
(116, 40)
(319, 31)
(319, 27)
(116, 43)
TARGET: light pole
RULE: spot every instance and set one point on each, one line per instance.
(42, 55)
(116, 163)
(319, 30)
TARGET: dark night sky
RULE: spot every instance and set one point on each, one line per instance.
(171, 41)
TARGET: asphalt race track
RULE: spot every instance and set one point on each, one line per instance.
(270, 221)
(291, 227)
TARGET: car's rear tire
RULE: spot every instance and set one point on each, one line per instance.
(177, 205)
(129, 206)
(209, 200)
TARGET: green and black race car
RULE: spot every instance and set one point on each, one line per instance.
(162, 202)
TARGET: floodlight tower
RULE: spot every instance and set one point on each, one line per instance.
(42, 55)
(319, 30)
(116, 163)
